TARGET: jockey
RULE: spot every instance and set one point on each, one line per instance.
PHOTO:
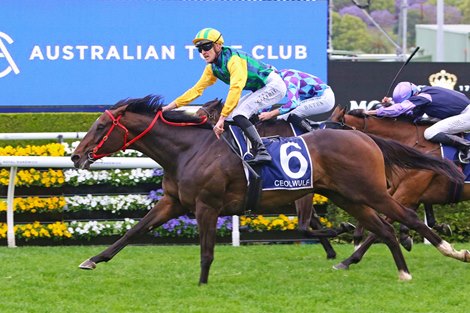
(450, 106)
(307, 95)
(241, 72)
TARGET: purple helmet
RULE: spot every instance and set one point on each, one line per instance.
(403, 91)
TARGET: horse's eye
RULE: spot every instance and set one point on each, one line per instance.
(100, 127)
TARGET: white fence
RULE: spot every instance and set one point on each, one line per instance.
(13, 162)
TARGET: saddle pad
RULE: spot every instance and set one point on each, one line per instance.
(451, 153)
(297, 131)
(291, 167)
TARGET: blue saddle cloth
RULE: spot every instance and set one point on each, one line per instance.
(291, 167)
(452, 154)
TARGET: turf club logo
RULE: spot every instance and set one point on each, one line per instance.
(5, 54)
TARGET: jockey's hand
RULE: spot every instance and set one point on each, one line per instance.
(387, 100)
(219, 127)
(371, 112)
(169, 107)
(264, 116)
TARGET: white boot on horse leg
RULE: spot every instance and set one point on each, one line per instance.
(446, 249)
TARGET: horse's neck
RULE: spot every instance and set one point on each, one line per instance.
(401, 131)
(166, 144)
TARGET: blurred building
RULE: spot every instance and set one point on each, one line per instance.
(456, 42)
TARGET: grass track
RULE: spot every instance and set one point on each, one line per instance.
(257, 278)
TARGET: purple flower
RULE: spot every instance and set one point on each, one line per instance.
(156, 195)
(158, 172)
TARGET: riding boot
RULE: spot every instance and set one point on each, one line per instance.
(260, 155)
(301, 123)
(455, 141)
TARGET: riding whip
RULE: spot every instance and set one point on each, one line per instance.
(401, 68)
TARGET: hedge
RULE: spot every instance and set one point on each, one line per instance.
(43, 122)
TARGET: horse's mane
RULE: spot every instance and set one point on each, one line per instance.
(151, 104)
(147, 105)
(360, 113)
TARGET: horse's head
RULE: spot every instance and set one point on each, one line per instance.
(358, 113)
(336, 119)
(338, 114)
(112, 131)
(211, 110)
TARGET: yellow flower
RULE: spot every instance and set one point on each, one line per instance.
(260, 223)
(319, 199)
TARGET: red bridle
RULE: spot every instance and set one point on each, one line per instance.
(116, 122)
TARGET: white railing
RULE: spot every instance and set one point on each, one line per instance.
(34, 136)
(13, 162)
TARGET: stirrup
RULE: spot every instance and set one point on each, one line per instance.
(260, 158)
(464, 158)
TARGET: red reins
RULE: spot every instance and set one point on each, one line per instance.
(116, 122)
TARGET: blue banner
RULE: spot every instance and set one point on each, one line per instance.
(84, 52)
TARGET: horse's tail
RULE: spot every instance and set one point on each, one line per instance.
(401, 156)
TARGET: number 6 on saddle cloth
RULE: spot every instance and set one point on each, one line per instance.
(290, 168)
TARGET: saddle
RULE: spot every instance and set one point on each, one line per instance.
(290, 169)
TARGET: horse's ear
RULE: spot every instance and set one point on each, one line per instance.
(343, 107)
(120, 110)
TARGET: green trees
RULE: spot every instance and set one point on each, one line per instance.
(353, 30)
(349, 33)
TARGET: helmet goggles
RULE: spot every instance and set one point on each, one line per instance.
(205, 46)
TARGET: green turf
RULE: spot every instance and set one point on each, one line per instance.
(255, 278)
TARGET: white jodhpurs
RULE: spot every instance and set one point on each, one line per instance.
(274, 90)
(313, 106)
(451, 125)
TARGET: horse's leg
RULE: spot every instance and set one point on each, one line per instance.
(358, 253)
(308, 217)
(371, 221)
(207, 223)
(408, 191)
(358, 235)
(398, 212)
(431, 221)
(405, 238)
(163, 211)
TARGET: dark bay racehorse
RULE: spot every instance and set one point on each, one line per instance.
(203, 176)
(305, 210)
(410, 188)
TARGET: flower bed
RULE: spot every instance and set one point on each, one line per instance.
(183, 226)
(70, 218)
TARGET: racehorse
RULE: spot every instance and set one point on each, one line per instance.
(305, 210)
(203, 176)
(410, 188)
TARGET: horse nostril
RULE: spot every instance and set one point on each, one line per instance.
(75, 158)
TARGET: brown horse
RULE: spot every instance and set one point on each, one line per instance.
(203, 176)
(305, 210)
(410, 188)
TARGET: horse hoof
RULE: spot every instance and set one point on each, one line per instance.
(407, 243)
(466, 257)
(88, 265)
(331, 256)
(347, 227)
(404, 276)
(340, 266)
(444, 229)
